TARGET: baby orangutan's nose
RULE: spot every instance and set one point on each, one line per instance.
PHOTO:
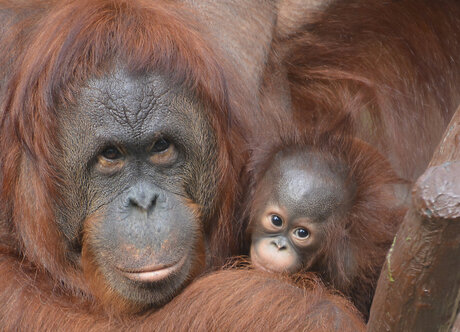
(280, 243)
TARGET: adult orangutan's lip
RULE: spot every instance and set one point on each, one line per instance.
(153, 273)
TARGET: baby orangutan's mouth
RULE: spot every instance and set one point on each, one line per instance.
(271, 262)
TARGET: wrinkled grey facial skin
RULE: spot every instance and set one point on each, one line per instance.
(132, 206)
(296, 201)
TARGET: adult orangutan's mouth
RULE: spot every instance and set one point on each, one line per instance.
(153, 273)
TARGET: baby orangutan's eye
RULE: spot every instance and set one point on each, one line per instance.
(301, 233)
(276, 220)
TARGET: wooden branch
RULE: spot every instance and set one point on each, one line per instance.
(419, 286)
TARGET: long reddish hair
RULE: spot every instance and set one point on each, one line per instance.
(76, 40)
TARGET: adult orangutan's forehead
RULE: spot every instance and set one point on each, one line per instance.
(129, 99)
(138, 106)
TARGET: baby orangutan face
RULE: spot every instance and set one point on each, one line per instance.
(295, 207)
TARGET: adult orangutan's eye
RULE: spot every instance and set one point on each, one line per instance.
(161, 145)
(110, 160)
(111, 153)
(163, 152)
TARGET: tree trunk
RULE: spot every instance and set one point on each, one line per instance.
(419, 286)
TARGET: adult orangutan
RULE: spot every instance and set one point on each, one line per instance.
(119, 178)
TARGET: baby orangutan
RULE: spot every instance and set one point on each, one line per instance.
(298, 202)
(327, 206)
